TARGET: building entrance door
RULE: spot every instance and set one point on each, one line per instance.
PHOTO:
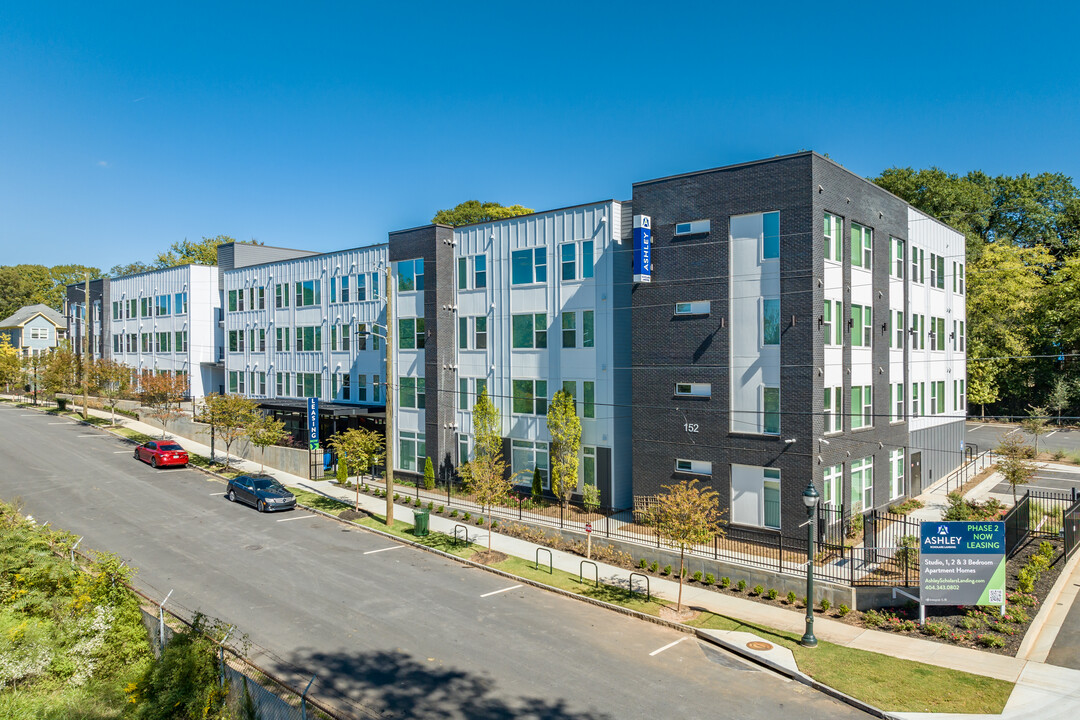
(916, 474)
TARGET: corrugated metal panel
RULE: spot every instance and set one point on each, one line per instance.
(942, 450)
(627, 221)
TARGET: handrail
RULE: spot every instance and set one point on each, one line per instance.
(581, 569)
(648, 590)
(551, 562)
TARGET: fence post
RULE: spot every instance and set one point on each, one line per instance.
(561, 508)
(780, 558)
(303, 698)
(715, 547)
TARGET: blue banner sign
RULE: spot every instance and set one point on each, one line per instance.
(642, 248)
(962, 563)
(313, 422)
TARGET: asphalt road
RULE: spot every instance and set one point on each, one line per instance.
(402, 631)
(988, 435)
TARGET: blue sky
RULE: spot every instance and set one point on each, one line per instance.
(127, 126)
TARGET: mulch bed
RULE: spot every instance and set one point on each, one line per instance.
(489, 557)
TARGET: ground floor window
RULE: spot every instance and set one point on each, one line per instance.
(832, 480)
(525, 458)
(896, 473)
(755, 496)
(862, 484)
(412, 450)
(588, 465)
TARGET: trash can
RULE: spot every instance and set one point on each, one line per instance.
(420, 523)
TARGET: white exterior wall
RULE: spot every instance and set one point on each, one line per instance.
(200, 282)
(325, 361)
(926, 365)
(500, 363)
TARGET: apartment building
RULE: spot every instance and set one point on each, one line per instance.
(76, 317)
(783, 337)
(167, 321)
(521, 307)
(309, 326)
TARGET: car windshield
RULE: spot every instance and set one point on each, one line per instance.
(266, 484)
(171, 447)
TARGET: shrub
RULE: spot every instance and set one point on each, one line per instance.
(710, 579)
(904, 508)
(842, 610)
(366, 488)
(697, 576)
(758, 590)
(537, 485)
(971, 622)
(666, 570)
(773, 592)
(791, 598)
(872, 618)
(341, 472)
(430, 505)
(1059, 454)
(1016, 614)
(467, 516)
(1039, 563)
(1019, 598)
(936, 629)
(1046, 549)
(453, 513)
(908, 552)
(741, 585)
(654, 567)
(440, 509)
(961, 509)
(396, 497)
(825, 604)
(990, 640)
(1025, 580)
(479, 519)
(429, 475)
(906, 626)
(494, 523)
(643, 563)
(725, 582)
(855, 526)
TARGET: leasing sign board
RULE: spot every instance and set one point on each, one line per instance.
(642, 248)
(962, 563)
(313, 423)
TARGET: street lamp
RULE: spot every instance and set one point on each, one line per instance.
(810, 499)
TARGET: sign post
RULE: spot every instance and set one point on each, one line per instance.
(642, 248)
(588, 541)
(313, 423)
(962, 563)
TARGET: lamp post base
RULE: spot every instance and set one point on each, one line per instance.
(808, 640)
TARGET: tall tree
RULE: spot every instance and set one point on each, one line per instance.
(1035, 424)
(565, 427)
(161, 394)
(230, 417)
(685, 516)
(31, 284)
(187, 252)
(359, 449)
(1061, 394)
(474, 211)
(10, 367)
(1014, 465)
(59, 370)
(487, 427)
(487, 479)
(111, 380)
(263, 431)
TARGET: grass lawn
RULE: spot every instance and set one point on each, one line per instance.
(886, 682)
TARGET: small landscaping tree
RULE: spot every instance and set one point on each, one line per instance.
(263, 431)
(429, 474)
(486, 477)
(1014, 465)
(58, 371)
(10, 367)
(162, 393)
(685, 516)
(1060, 396)
(359, 449)
(537, 485)
(565, 428)
(1035, 423)
(111, 380)
(230, 417)
(590, 498)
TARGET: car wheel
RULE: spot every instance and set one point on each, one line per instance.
(230, 496)
(261, 507)
(136, 454)
(153, 462)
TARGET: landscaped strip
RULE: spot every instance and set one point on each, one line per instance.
(885, 682)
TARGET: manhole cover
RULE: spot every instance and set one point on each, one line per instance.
(758, 645)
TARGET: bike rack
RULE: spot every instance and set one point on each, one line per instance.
(551, 563)
(648, 591)
(456, 538)
(581, 568)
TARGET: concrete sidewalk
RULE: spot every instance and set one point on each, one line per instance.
(1041, 690)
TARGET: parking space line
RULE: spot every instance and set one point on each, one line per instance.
(121, 452)
(393, 547)
(666, 647)
(221, 493)
(98, 435)
(62, 423)
(1051, 433)
(298, 517)
(496, 592)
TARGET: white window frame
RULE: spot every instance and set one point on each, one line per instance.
(832, 480)
(701, 390)
(834, 237)
(685, 466)
(693, 307)
(896, 473)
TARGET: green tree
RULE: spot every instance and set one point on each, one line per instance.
(161, 393)
(359, 449)
(59, 370)
(486, 477)
(474, 211)
(263, 431)
(1061, 393)
(1035, 424)
(230, 417)
(565, 427)
(111, 380)
(125, 269)
(10, 366)
(30, 284)
(487, 426)
(537, 484)
(685, 516)
(429, 474)
(183, 684)
(187, 252)
(1014, 465)
(981, 385)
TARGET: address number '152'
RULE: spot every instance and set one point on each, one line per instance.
(691, 427)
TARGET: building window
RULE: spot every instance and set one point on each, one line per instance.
(697, 307)
(412, 393)
(463, 449)
(770, 319)
(862, 406)
(937, 271)
(308, 293)
(144, 307)
(827, 322)
(412, 451)
(569, 330)
(963, 396)
(569, 261)
(897, 402)
(861, 325)
(918, 265)
(771, 403)
(180, 338)
(833, 479)
(770, 226)
(411, 275)
(361, 287)
(862, 241)
(693, 467)
(588, 329)
(834, 231)
(832, 406)
(480, 332)
(937, 397)
(115, 310)
(527, 457)
(309, 339)
(528, 266)
(896, 267)
(411, 333)
(309, 384)
(281, 296)
(463, 273)
(703, 390)
(961, 336)
(133, 307)
(375, 388)
(588, 391)
(283, 384)
(282, 339)
(960, 268)
(588, 466)
(862, 484)
(529, 331)
(755, 496)
(530, 397)
(898, 324)
(896, 473)
(374, 286)
(161, 305)
(463, 393)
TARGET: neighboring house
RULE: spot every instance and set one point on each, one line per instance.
(33, 329)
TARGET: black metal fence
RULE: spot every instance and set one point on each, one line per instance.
(1040, 514)
(1071, 527)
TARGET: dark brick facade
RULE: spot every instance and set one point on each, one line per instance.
(668, 349)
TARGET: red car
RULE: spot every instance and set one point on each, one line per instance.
(160, 453)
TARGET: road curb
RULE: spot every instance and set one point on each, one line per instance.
(743, 653)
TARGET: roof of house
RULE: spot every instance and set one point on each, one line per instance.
(26, 313)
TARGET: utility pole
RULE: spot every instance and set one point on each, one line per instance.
(87, 326)
(389, 400)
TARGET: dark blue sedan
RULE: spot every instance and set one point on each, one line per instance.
(265, 494)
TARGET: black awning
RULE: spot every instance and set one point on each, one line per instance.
(325, 408)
